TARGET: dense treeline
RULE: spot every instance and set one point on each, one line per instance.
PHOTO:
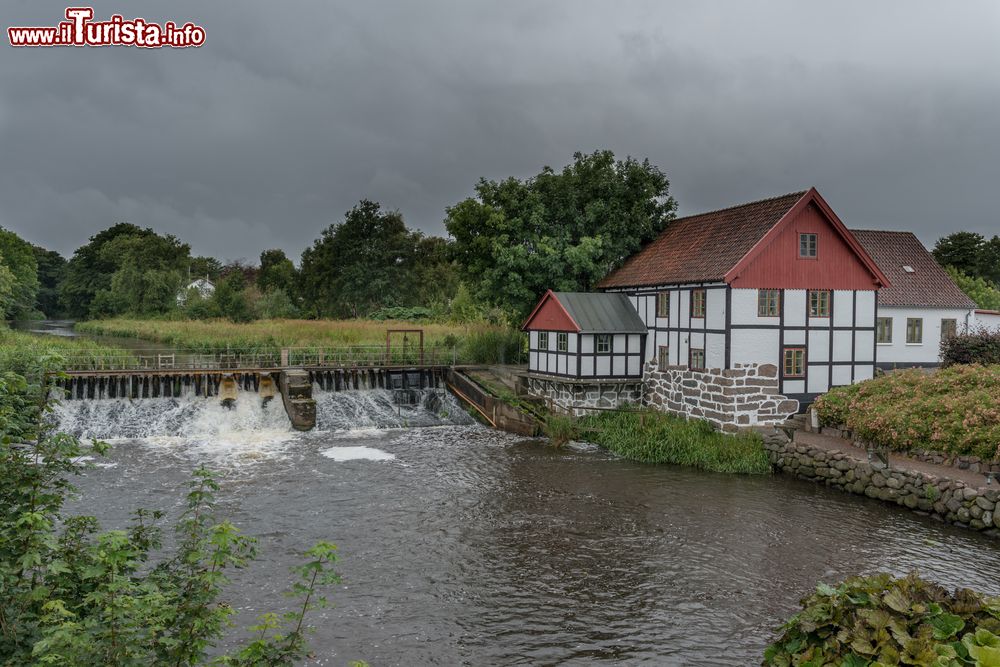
(507, 244)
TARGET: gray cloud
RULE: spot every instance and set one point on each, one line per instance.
(291, 113)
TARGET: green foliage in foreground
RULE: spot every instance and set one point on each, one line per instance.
(650, 436)
(71, 594)
(879, 621)
(953, 410)
(980, 346)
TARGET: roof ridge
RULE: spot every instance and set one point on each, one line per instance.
(885, 231)
(799, 194)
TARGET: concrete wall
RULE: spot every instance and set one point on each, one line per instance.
(988, 320)
(899, 353)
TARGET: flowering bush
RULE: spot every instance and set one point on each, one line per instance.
(954, 410)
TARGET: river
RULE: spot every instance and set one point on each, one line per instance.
(462, 545)
(466, 546)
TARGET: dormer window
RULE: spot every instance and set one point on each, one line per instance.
(807, 246)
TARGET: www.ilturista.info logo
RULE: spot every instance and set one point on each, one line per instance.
(80, 30)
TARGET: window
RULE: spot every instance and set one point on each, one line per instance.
(562, 342)
(807, 245)
(768, 302)
(603, 343)
(794, 362)
(883, 330)
(543, 340)
(698, 303)
(663, 304)
(819, 303)
(914, 330)
(949, 328)
(663, 356)
(697, 360)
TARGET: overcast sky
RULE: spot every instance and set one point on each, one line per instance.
(284, 119)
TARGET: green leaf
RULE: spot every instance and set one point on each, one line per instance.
(946, 625)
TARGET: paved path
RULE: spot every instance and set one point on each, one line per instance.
(973, 479)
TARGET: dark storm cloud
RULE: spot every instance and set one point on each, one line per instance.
(291, 112)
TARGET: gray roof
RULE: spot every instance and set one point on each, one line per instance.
(601, 312)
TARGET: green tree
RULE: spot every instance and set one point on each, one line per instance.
(276, 272)
(231, 298)
(985, 293)
(963, 250)
(204, 267)
(157, 262)
(562, 230)
(18, 256)
(51, 267)
(358, 265)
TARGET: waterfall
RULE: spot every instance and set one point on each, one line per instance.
(385, 408)
(205, 419)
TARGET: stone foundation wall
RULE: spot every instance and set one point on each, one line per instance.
(947, 499)
(970, 463)
(730, 399)
(582, 395)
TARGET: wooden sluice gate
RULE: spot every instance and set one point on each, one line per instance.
(154, 384)
(347, 379)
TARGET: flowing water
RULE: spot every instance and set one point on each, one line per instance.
(462, 545)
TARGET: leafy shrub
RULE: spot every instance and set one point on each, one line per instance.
(560, 429)
(981, 346)
(72, 595)
(954, 410)
(656, 437)
(880, 620)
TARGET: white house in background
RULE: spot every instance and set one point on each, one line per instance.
(749, 312)
(920, 308)
(205, 287)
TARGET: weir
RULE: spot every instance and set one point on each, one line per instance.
(230, 386)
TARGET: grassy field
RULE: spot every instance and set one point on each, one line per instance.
(650, 436)
(474, 343)
(952, 410)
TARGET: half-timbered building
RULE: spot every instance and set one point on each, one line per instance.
(752, 310)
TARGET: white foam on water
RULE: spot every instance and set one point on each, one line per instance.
(194, 427)
(357, 453)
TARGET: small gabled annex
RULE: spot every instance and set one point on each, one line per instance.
(589, 335)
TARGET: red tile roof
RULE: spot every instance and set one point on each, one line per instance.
(703, 247)
(927, 286)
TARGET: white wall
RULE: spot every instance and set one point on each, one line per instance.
(990, 321)
(901, 353)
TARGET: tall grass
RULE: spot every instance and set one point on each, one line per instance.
(478, 344)
(28, 354)
(655, 437)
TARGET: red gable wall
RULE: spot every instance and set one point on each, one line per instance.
(550, 316)
(778, 265)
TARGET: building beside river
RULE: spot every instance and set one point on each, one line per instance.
(923, 305)
(749, 313)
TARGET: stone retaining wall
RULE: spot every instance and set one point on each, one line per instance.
(970, 463)
(947, 499)
(581, 395)
(746, 395)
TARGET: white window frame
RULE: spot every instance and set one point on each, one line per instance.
(603, 340)
(811, 249)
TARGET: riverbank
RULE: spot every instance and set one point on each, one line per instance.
(28, 353)
(951, 495)
(467, 343)
(650, 436)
